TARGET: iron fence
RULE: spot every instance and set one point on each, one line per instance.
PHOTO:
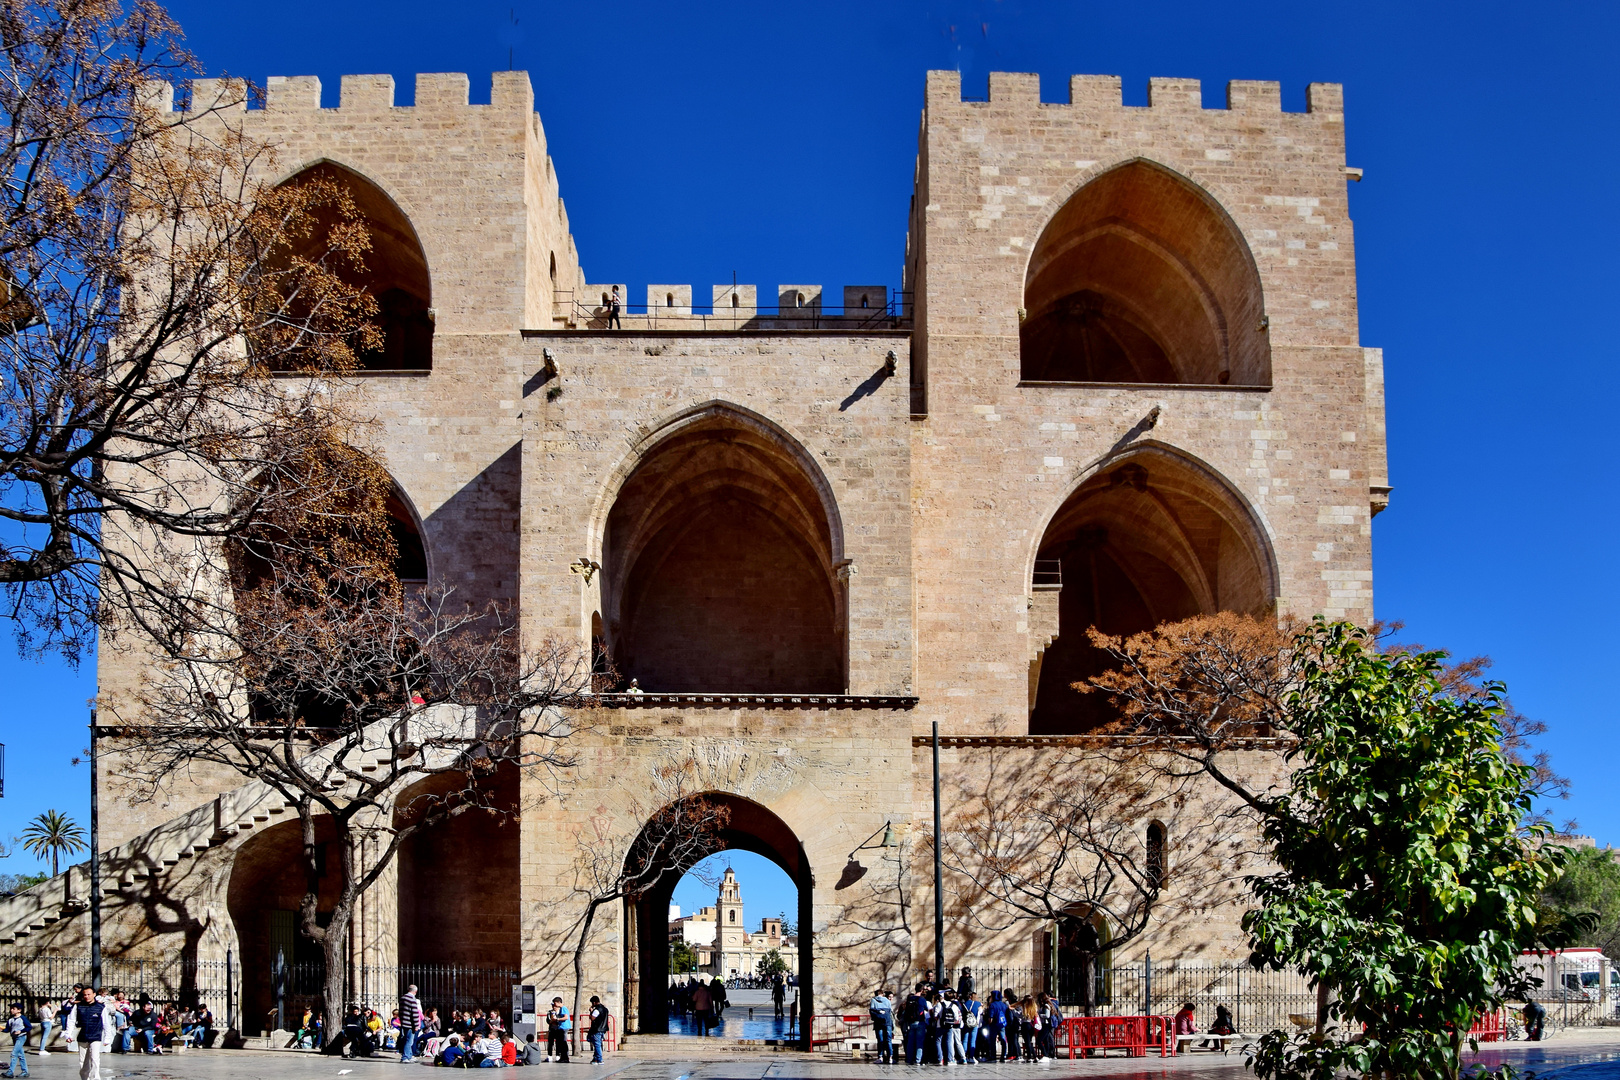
(1258, 1000)
(218, 984)
(592, 311)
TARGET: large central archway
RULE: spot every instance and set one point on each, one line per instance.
(719, 564)
(749, 827)
(1153, 537)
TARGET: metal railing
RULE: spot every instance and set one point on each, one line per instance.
(39, 979)
(1258, 1000)
(590, 312)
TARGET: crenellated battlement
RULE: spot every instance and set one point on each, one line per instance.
(1325, 101)
(510, 91)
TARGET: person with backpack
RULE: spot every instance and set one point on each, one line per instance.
(599, 1026)
(995, 1029)
(882, 1013)
(914, 1015)
(1051, 1017)
(971, 1009)
(950, 1030)
(1029, 1027)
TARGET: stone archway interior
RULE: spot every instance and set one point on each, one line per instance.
(749, 827)
(395, 271)
(718, 569)
(1141, 278)
(1145, 542)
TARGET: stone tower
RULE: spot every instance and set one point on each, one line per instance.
(1121, 383)
(731, 932)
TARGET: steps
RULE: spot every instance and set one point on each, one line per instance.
(141, 861)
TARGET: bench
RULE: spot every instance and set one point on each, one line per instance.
(1183, 1041)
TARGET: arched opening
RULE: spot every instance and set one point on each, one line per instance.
(718, 566)
(459, 901)
(554, 269)
(669, 300)
(1148, 540)
(394, 274)
(1084, 960)
(749, 827)
(266, 887)
(1142, 278)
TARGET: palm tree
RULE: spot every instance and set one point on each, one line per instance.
(53, 833)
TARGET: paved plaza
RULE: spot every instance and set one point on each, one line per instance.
(1597, 1046)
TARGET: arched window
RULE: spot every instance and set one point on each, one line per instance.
(718, 566)
(1151, 539)
(734, 300)
(669, 300)
(1141, 277)
(1154, 865)
(733, 916)
(393, 272)
(554, 268)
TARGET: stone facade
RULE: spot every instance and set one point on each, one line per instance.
(810, 533)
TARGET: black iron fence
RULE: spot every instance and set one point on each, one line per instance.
(1258, 1000)
(593, 310)
(218, 984)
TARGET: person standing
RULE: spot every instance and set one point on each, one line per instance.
(971, 1010)
(599, 1026)
(19, 1028)
(914, 1014)
(558, 1025)
(1535, 1019)
(615, 305)
(882, 1012)
(47, 1016)
(90, 1025)
(410, 1023)
(964, 984)
(778, 993)
(702, 1007)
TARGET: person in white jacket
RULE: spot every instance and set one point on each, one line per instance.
(90, 1025)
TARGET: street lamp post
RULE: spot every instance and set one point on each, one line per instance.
(95, 864)
(939, 877)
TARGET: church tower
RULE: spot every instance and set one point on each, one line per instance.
(731, 934)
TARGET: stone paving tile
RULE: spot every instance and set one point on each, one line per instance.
(1569, 1048)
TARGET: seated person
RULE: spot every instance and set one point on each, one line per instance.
(1184, 1023)
(488, 1052)
(454, 1055)
(509, 1049)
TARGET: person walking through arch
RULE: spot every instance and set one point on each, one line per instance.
(778, 993)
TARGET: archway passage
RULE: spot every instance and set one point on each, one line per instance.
(1142, 278)
(266, 887)
(454, 907)
(1150, 540)
(749, 827)
(394, 274)
(718, 566)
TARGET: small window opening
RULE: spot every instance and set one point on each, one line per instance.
(864, 302)
(1154, 869)
(669, 299)
(733, 916)
(604, 299)
(554, 268)
(734, 300)
(798, 299)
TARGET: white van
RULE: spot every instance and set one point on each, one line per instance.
(1574, 975)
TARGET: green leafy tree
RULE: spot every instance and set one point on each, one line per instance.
(52, 835)
(16, 883)
(1407, 878)
(1587, 895)
(771, 964)
(681, 958)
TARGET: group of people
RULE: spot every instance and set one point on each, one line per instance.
(945, 1025)
(467, 1040)
(705, 999)
(92, 1021)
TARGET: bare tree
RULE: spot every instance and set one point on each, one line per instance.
(150, 285)
(1085, 836)
(373, 710)
(612, 864)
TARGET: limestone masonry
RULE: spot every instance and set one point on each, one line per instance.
(1120, 383)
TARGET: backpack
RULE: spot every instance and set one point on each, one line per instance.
(911, 1011)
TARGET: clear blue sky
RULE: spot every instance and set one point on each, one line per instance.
(778, 142)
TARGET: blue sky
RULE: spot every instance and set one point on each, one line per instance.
(778, 141)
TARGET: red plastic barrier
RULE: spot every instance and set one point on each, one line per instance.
(1490, 1027)
(1133, 1034)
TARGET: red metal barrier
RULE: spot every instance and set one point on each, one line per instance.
(1490, 1027)
(1133, 1034)
(828, 1028)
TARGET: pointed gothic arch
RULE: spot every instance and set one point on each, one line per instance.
(1142, 277)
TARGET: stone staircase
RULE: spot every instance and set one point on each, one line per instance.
(133, 865)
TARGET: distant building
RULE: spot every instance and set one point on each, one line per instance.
(719, 937)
